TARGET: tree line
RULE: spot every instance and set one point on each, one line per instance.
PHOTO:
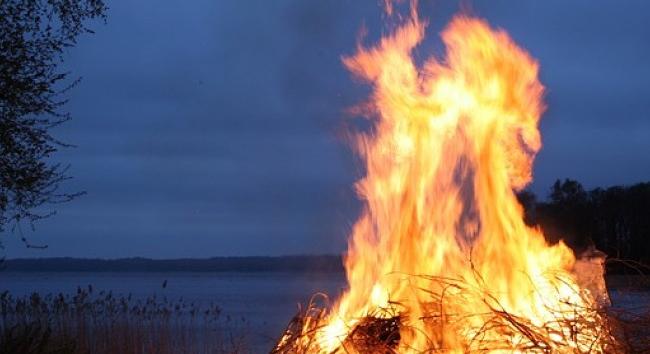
(308, 264)
(616, 220)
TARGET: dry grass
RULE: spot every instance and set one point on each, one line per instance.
(102, 323)
(614, 331)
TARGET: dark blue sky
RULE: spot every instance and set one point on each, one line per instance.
(209, 128)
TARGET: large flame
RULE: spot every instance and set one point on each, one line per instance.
(441, 244)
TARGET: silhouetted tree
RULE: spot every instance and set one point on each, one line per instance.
(33, 37)
(616, 219)
(622, 221)
(567, 215)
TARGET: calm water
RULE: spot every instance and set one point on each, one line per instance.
(266, 301)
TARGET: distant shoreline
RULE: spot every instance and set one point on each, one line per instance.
(310, 264)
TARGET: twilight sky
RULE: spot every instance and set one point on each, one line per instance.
(211, 128)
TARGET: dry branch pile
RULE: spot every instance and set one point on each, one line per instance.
(379, 332)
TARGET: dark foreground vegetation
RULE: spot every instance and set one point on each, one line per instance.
(616, 220)
(99, 323)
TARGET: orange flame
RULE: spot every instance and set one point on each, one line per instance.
(442, 231)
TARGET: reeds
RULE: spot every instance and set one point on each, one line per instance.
(89, 322)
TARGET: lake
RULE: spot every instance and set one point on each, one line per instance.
(264, 301)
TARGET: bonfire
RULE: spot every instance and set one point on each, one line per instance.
(441, 259)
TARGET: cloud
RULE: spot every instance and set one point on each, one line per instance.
(213, 128)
